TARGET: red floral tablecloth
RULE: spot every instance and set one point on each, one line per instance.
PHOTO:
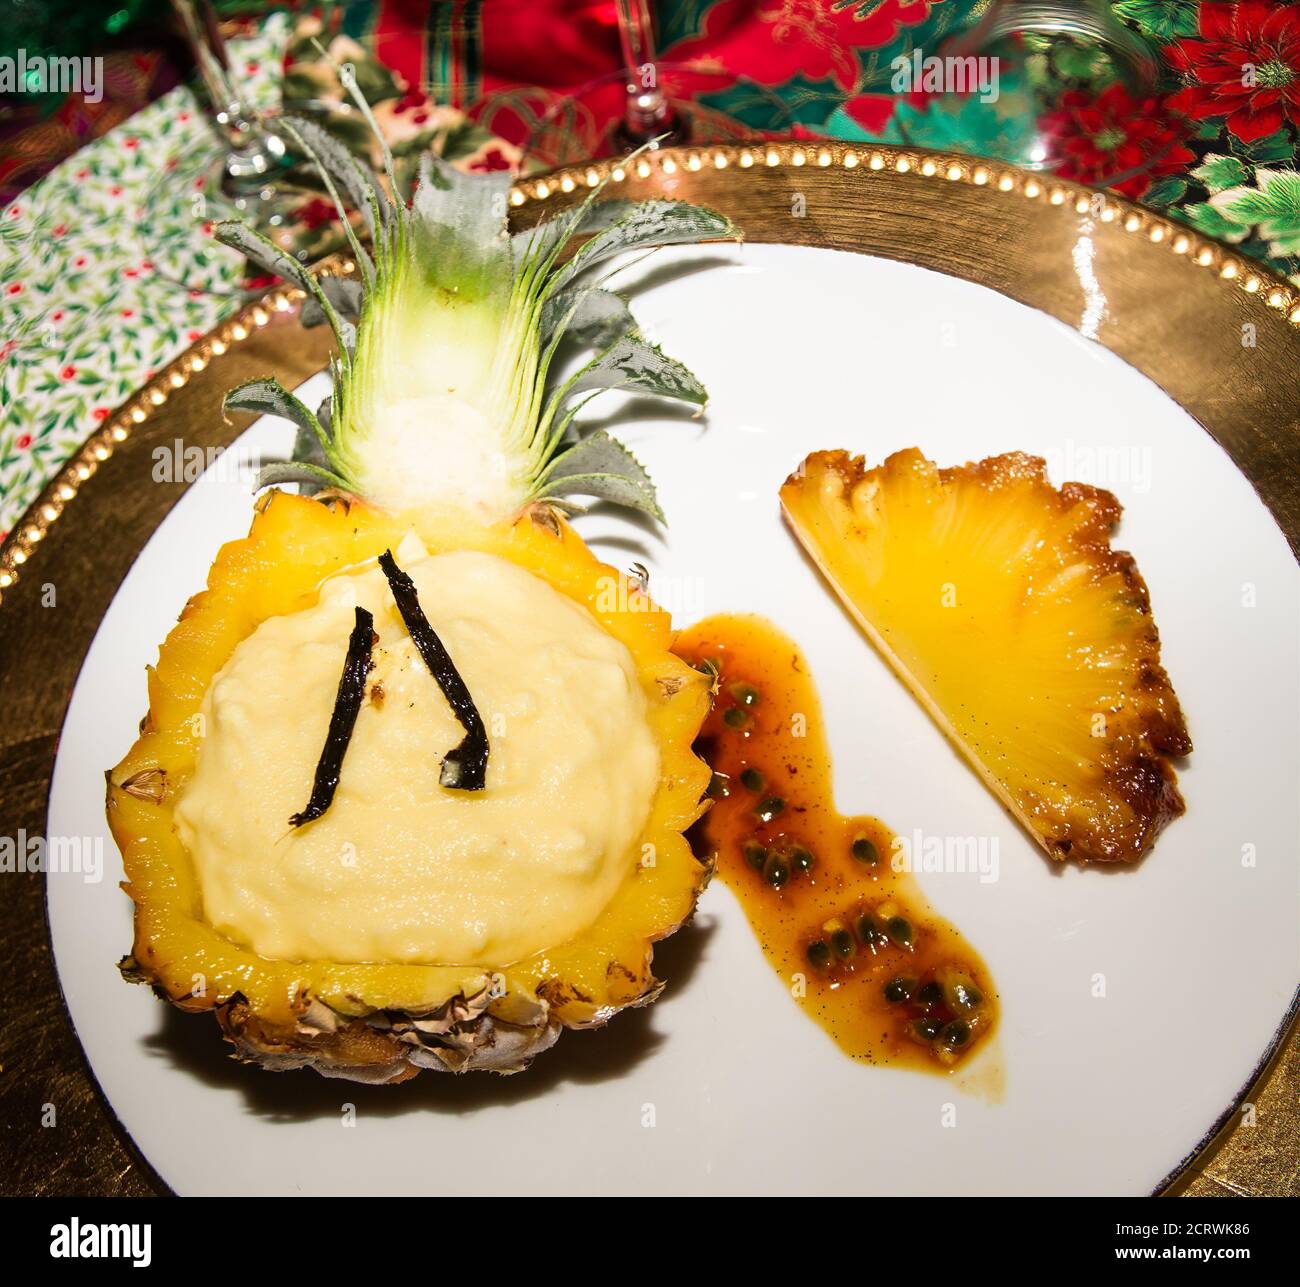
(1224, 120)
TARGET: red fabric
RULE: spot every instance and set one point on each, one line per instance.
(398, 38)
(1110, 133)
(772, 40)
(1232, 37)
(556, 47)
(554, 44)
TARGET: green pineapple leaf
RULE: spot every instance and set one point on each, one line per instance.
(345, 293)
(601, 467)
(311, 477)
(270, 398)
(649, 223)
(632, 362)
(596, 317)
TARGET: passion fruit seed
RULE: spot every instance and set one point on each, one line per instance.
(751, 780)
(719, 788)
(842, 942)
(865, 852)
(745, 694)
(955, 1034)
(755, 854)
(930, 994)
(736, 717)
(819, 954)
(869, 931)
(772, 807)
(801, 859)
(900, 930)
(927, 1029)
(899, 989)
(776, 871)
(965, 998)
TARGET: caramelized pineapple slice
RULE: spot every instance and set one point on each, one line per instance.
(998, 601)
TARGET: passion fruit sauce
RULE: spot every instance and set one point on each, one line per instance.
(853, 938)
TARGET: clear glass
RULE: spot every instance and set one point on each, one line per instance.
(255, 153)
(1060, 87)
(654, 102)
(249, 177)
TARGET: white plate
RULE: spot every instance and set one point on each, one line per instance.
(724, 1085)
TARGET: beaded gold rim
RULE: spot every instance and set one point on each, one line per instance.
(1247, 275)
(1235, 270)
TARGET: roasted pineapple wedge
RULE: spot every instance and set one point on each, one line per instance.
(376, 934)
(998, 601)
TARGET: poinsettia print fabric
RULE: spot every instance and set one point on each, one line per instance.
(1242, 64)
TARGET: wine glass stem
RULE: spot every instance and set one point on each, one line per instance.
(647, 112)
(253, 152)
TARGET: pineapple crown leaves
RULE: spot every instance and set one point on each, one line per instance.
(451, 242)
(599, 466)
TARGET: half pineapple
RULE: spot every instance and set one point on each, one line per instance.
(998, 600)
(384, 913)
(382, 1012)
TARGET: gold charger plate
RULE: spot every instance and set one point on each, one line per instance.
(1213, 329)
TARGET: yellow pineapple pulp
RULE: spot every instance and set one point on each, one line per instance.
(998, 600)
(382, 1021)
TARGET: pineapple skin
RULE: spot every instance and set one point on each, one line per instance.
(385, 1022)
(1018, 556)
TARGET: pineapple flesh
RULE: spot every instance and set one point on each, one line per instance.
(998, 601)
